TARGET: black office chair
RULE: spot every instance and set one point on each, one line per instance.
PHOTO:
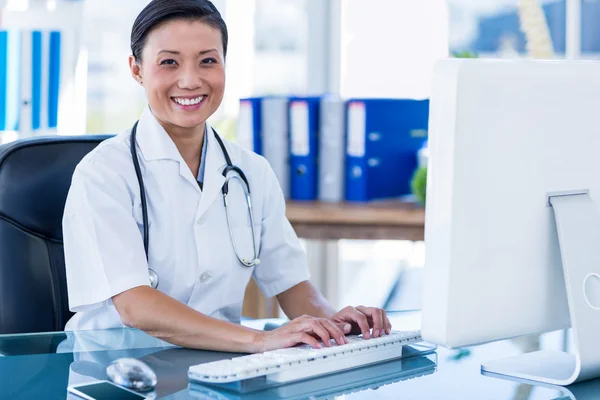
(35, 175)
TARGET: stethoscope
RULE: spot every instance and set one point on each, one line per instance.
(225, 190)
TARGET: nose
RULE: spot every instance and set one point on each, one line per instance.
(190, 78)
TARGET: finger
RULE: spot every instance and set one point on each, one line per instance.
(306, 338)
(376, 318)
(342, 324)
(361, 320)
(379, 322)
(344, 327)
(315, 326)
(335, 332)
(345, 322)
(387, 323)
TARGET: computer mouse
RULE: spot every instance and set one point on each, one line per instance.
(132, 374)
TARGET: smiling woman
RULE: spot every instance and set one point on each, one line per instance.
(180, 62)
(147, 243)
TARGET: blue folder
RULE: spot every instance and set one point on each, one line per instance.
(30, 69)
(383, 137)
(36, 79)
(10, 76)
(304, 140)
(54, 79)
(249, 133)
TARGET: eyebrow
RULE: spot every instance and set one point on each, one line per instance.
(177, 52)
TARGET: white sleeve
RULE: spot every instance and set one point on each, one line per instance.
(104, 250)
(282, 259)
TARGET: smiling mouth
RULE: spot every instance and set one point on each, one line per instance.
(188, 101)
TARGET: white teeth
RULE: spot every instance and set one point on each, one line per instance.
(188, 102)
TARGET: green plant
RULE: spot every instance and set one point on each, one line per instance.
(464, 54)
(419, 184)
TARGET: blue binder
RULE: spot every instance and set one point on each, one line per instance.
(249, 133)
(31, 81)
(383, 138)
(36, 79)
(54, 78)
(30, 70)
(304, 128)
(10, 69)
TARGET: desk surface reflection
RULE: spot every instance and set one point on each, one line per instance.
(43, 365)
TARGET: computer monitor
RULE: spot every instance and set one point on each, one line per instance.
(515, 147)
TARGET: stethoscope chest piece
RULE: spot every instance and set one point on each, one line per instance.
(153, 278)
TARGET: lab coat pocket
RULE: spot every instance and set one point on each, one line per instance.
(228, 299)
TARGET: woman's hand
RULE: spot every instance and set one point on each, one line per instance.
(304, 329)
(357, 320)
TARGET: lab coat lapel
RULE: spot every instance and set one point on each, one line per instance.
(156, 144)
(213, 177)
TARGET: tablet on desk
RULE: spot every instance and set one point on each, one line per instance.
(104, 390)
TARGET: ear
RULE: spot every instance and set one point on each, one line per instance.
(136, 70)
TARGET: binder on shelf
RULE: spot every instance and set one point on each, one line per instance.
(248, 133)
(36, 56)
(30, 70)
(10, 76)
(275, 141)
(383, 138)
(332, 149)
(54, 65)
(304, 136)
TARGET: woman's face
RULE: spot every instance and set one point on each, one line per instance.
(183, 72)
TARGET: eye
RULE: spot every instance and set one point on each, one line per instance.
(209, 61)
(168, 62)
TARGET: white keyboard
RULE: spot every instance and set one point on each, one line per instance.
(291, 364)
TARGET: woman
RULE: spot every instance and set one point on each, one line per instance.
(178, 56)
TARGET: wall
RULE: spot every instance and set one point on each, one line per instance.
(389, 47)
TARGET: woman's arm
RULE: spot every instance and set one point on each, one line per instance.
(163, 317)
(304, 298)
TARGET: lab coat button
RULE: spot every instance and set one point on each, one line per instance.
(205, 276)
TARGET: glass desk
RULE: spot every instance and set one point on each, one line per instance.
(36, 366)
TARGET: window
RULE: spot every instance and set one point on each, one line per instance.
(114, 100)
(493, 27)
(266, 55)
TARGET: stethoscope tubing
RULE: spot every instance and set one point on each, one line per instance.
(224, 190)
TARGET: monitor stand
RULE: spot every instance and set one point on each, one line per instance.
(578, 227)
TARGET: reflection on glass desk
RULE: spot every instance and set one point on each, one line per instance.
(43, 365)
(353, 381)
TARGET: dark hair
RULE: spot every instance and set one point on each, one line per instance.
(161, 11)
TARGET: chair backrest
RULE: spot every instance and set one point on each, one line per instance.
(35, 175)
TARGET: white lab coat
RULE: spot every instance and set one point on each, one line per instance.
(190, 246)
